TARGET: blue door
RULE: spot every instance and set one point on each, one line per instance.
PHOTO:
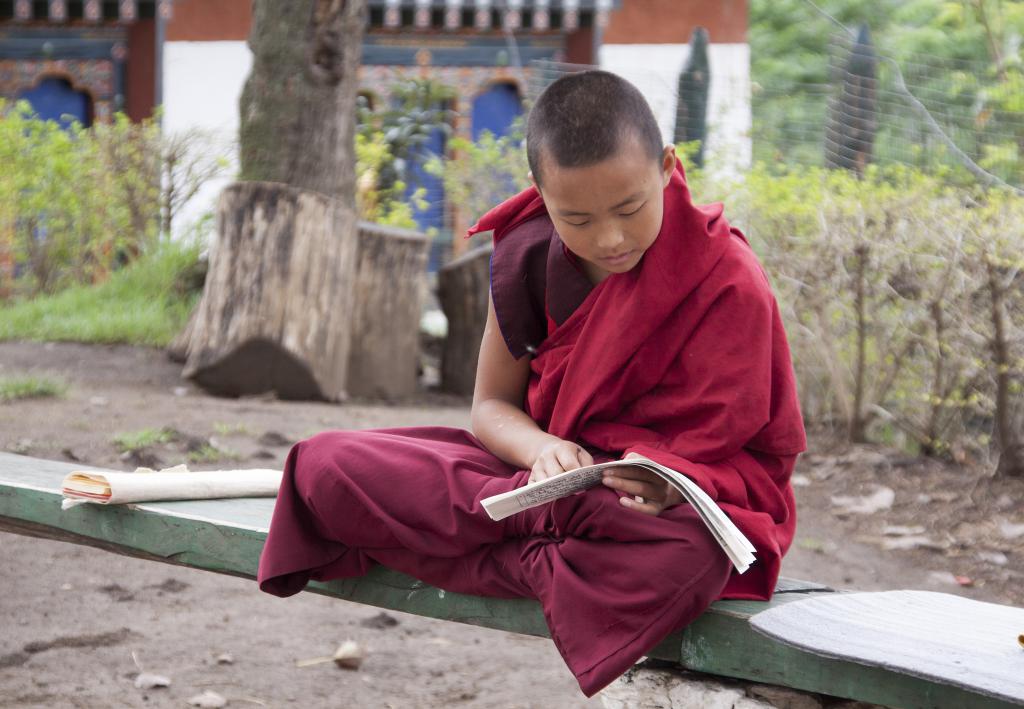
(432, 216)
(53, 99)
(495, 110)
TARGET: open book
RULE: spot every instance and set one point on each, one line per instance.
(738, 548)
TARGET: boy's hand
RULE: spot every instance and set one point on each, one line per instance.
(645, 491)
(559, 456)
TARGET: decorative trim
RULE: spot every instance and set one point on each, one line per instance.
(127, 10)
(95, 77)
(57, 10)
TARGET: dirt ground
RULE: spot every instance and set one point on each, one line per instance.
(80, 624)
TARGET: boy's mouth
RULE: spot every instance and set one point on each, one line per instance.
(618, 259)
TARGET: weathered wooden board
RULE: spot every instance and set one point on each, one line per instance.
(935, 636)
(226, 536)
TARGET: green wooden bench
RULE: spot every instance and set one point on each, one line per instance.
(226, 536)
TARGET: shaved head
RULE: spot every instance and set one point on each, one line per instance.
(584, 118)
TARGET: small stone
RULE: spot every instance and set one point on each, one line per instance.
(349, 655)
(1009, 530)
(380, 621)
(208, 699)
(800, 481)
(881, 499)
(225, 658)
(150, 681)
(98, 401)
(180, 391)
(21, 447)
(273, 439)
(783, 698)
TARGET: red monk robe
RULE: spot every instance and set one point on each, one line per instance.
(682, 359)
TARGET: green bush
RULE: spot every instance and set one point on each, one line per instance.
(902, 298)
(73, 203)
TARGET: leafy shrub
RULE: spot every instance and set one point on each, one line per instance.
(903, 301)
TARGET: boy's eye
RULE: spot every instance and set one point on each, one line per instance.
(576, 223)
(629, 214)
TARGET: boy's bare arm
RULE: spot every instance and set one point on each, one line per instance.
(499, 420)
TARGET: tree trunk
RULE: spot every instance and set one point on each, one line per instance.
(277, 305)
(463, 286)
(278, 297)
(297, 110)
(388, 293)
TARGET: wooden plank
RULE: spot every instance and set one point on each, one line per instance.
(226, 536)
(930, 635)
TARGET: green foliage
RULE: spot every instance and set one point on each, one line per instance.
(133, 441)
(378, 203)
(208, 453)
(389, 140)
(484, 173)
(884, 285)
(961, 58)
(73, 202)
(16, 388)
(146, 303)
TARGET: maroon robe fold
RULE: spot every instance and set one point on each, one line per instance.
(682, 359)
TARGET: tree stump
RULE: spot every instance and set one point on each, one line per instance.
(389, 290)
(463, 287)
(278, 298)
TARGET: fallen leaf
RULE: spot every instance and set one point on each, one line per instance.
(881, 499)
(895, 530)
(912, 542)
(943, 577)
(994, 557)
(1010, 530)
(209, 699)
(145, 680)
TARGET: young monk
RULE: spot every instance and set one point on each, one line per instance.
(623, 320)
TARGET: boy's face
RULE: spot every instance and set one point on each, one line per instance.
(608, 213)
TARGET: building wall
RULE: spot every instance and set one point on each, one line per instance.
(655, 68)
(647, 42)
(206, 21)
(140, 70)
(203, 82)
(672, 21)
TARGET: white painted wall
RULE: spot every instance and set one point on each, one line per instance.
(655, 69)
(202, 84)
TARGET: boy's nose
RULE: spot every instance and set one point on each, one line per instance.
(610, 239)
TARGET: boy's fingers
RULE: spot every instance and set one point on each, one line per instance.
(584, 458)
(634, 487)
(567, 458)
(647, 508)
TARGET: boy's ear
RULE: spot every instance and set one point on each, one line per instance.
(668, 164)
(529, 176)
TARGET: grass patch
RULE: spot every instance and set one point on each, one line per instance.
(211, 454)
(143, 304)
(231, 429)
(15, 388)
(137, 440)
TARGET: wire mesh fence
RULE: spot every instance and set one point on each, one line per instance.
(926, 111)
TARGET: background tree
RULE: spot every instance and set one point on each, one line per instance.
(293, 279)
(692, 96)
